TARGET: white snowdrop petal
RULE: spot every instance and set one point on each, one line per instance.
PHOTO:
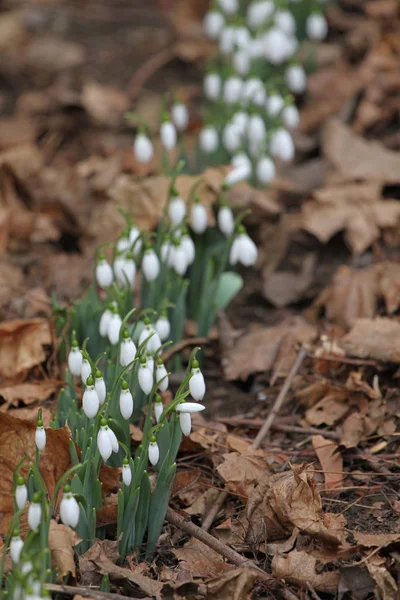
(316, 27)
(69, 510)
(282, 146)
(143, 148)
(248, 250)
(265, 170)
(104, 443)
(163, 327)
(150, 265)
(296, 79)
(190, 407)
(104, 274)
(158, 410)
(234, 252)
(114, 327)
(177, 210)
(16, 546)
(104, 322)
(34, 515)
(40, 438)
(209, 140)
(189, 248)
(225, 221)
(238, 174)
(126, 475)
(285, 21)
(126, 404)
(230, 7)
(180, 116)
(154, 453)
(145, 377)
(179, 260)
(127, 352)
(75, 360)
(185, 422)
(113, 439)
(275, 104)
(232, 89)
(90, 402)
(198, 218)
(85, 370)
(162, 377)
(213, 24)
(100, 387)
(290, 117)
(168, 135)
(197, 385)
(231, 137)
(212, 86)
(21, 496)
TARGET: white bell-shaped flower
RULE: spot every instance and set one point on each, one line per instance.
(150, 265)
(165, 249)
(232, 89)
(126, 473)
(290, 116)
(230, 7)
(16, 545)
(250, 88)
(240, 159)
(276, 46)
(282, 146)
(185, 421)
(145, 376)
(227, 40)
(296, 79)
(143, 148)
(154, 342)
(238, 174)
(114, 327)
(40, 436)
(34, 513)
(90, 400)
(285, 21)
(125, 401)
(242, 37)
(316, 27)
(213, 24)
(127, 351)
(242, 61)
(105, 321)
(158, 408)
(69, 508)
(256, 48)
(197, 385)
(185, 409)
(256, 130)
(154, 451)
(179, 258)
(231, 137)
(163, 327)
(123, 243)
(274, 105)
(243, 250)
(176, 209)
(161, 376)
(104, 444)
(188, 247)
(150, 362)
(241, 120)
(21, 493)
(225, 220)
(100, 387)
(168, 135)
(180, 116)
(198, 217)
(114, 440)
(212, 86)
(86, 370)
(125, 270)
(208, 139)
(75, 359)
(135, 241)
(265, 170)
(104, 274)
(259, 12)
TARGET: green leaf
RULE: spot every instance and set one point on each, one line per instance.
(159, 505)
(229, 285)
(142, 513)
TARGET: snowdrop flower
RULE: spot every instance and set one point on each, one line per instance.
(296, 79)
(241, 159)
(212, 86)
(213, 24)
(243, 250)
(123, 243)
(241, 62)
(197, 384)
(16, 545)
(281, 145)
(165, 249)
(135, 242)
(154, 451)
(176, 208)
(90, 400)
(256, 47)
(161, 376)
(105, 320)
(285, 21)
(260, 97)
(163, 326)
(104, 274)
(316, 27)
(179, 258)
(85, 370)
(114, 327)
(227, 40)
(185, 409)
(127, 351)
(114, 440)
(242, 37)
(258, 13)
(126, 472)
(198, 217)
(230, 7)
(180, 115)
(125, 401)
(256, 130)
(150, 361)
(104, 444)
(231, 137)
(125, 270)
(150, 264)
(225, 220)
(238, 174)
(34, 512)
(240, 120)
(145, 376)
(69, 508)
(100, 387)
(158, 408)
(208, 139)
(154, 342)
(188, 246)
(276, 47)
(40, 436)
(290, 116)
(232, 89)
(275, 104)
(250, 88)
(265, 170)
(143, 148)
(168, 134)
(75, 359)
(21, 493)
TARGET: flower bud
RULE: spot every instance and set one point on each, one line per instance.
(104, 274)
(100, 387)
(316, 27)
(189, 248)
(75, 360)
(126, 473)
(225, 221)
(185, 422)
(104, 441)
(143, 148)
(265, 170)
(179, 259)
(213, 24)
(40, 436)
(158, 408)
(290, 117)
(154, 342)
(212, 86)
(21, 493)
(168, 135)
(285, 21)
(125, 401)
(127, 351)
(180, 116)
(232, 89)
(113, 329)
(163, 327)
(145, 376)
(230, 7)
(150, 265)
(198, 218)
(296, 79)
(154, 452)
(275, 104)
(90, 400)
(161, 376)
(16, 545)
(231, 137)
(209, 140)
(34, 513)
(69, 508)
(105, 321)
(86, 370)
(197, 384)
(282, 145)
(176, 210)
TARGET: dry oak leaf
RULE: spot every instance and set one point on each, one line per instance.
(62, 540)
(357, 158)
(27, 393)
(235, 585)
(385, 583)
(331, 460)
(17, 440)
(201, 560)
(104, 104)
(21, 345)
(257, 350)
(291, 500)
(241, 472)
(375, 540)
(300, 568)
(377, 339)
(285, 287)
(87, 562)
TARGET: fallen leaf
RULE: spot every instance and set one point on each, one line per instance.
(104, 104)
(201, 560)
(87, 562)
(21, 346)
(331, 460)
(357, 581)
(30, 414)
(300, 568)
(17, 440)
(375, 540)
(53, 54)
(241, 472)
(27, 393)
(183, 481)
(378, 339)
(386, 585)
(62, 540)
(25, 160)
(284, 287)
(235, 585)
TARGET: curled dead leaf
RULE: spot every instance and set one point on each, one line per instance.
(300, 568)
(330, 459)
(62, 540)
(21, 345)
(235, 585)
(378, 339)
(241, 472)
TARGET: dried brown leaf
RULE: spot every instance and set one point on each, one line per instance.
(235, 585)
(300, 568)
(105, 104)
(378, 339)
(201, 560)
(27, 393)
(21, 346)
(241, 472)
(62, 540)
(386, 585)
(284, 287)
(330, 459)
(375, 540)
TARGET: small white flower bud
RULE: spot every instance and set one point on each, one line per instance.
(158, 409)
(113, 329)
(104, 274)
(230, 7)
(209, 140)
(276, 46)
(189, 248)
(185, 422)
(265, 170)
(180, 116)
(168, 135)
(150, 265)
(233, 87)
(258, 13)
(40, 438)
(90, 400)
(16, 546)
(275, 104)
(126, 402)
(104, 442)
(227, 40)
(231, 137)
(162, 376)
(114, 440)
(75, 360)
(125, 271)
(198, 218)
(127, 352)
(104, 322)
(154, 452)
(282, 146)
(213, 24)
(290, 116)
(212, 86)
(163, 327)
(145, 376)
(225, 221)
(176, 210)
(100, 387)
(241, 62)
(69, 509)
(34, 514)
(143, 148)
(256, 130)
(316, 27)
(243, 249)
(179, 259)
(241, 121)
(126, 474)
(285, 21)
(123, 244)
(197, 385)
(296, 79)
(21, 494)
(250, 88)
(154, 342)
(135, 243)
(238, 174)
(190, 407)
(85, 370)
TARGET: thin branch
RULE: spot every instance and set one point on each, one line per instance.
(70, 590)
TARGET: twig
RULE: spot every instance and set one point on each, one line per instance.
(70, 590)
(148, 68)
(216, 507)
(234, 557)
(312, 591)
